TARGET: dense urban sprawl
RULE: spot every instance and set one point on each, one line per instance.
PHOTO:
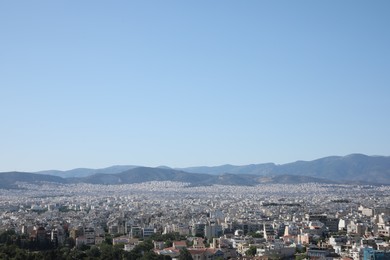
(273, 221)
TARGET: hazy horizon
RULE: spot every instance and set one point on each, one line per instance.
(178, 167)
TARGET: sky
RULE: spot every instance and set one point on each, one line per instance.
(189, 83)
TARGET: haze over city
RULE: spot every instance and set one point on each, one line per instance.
(94, 83)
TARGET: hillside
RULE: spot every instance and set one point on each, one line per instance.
(83, 172)
(8, 180)
(354, 168)
(145, 174)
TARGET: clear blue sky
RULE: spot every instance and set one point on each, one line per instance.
(185, 83)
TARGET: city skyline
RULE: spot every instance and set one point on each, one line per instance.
(96, 84)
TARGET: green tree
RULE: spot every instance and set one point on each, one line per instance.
(301, 257)
(251, 251)
(65, 252)
(256, 235)
(150, 256)
(108, 239)
(106, 251)
(21, 254)
(168, 243)
(76, 254)
(300, 250)
(185, 254)
(93, 252)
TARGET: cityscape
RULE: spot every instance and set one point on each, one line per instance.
(195, 130)
(177, 220)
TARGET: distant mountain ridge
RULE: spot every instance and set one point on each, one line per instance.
(9, 180)
(354, 168)
(256, 169)
(83, 172)
(358, 167)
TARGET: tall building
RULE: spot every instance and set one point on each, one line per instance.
(212, 229)
(371, 254)
(148, 231)
(269, 232)
(89, 234)
(136, 232)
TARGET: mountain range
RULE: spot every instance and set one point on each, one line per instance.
(354, 168)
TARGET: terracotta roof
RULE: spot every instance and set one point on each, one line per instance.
(180, 243)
